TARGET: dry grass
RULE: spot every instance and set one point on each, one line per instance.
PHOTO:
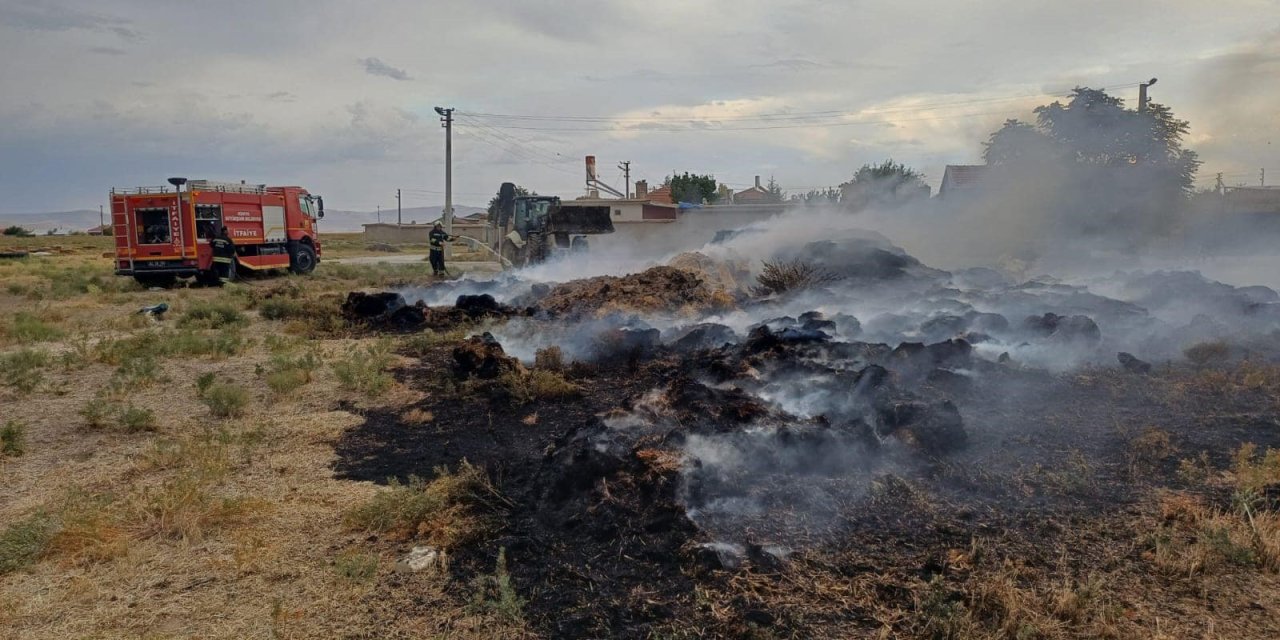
(788, 276)
(417, 417)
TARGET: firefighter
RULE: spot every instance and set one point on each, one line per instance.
(437, 238)
(224, 254)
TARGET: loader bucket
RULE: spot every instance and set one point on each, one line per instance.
(579, 219)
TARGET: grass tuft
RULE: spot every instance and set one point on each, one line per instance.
(452, 509)
(225, 400)
(211, 315)
(365, 371)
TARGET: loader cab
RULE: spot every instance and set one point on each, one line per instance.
(531, 212)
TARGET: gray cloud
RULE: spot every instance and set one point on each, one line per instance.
(41, 16)
(376, 67)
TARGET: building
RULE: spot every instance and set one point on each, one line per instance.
(754, 195)
(100, 230)
(962, 179)
(1251, 199)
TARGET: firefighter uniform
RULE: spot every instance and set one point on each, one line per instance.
(224, 255)
(437, 238)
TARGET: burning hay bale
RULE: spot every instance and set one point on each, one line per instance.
(386, 310)
(656, 290)
(482, 357)
(722, 275)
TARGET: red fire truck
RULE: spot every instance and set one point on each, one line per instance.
(163, 233)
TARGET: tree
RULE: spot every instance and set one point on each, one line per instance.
(15, 230)
(774, 190)
(1097, 163)
(493, 202)
(888, 184)
(830, 195)
(691, 187)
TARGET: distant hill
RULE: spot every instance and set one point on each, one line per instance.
(335, 220)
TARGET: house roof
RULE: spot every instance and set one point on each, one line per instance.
(960, 176)
(661, 195)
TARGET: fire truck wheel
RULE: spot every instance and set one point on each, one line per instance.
(303, 260)
(162, 280)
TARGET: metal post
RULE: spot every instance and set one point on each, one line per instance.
(398, 221)
(446, 121)
(625, 165)
(1142, 95)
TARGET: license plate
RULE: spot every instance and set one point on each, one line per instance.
(159, 264)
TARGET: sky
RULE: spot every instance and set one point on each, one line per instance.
(339, 96)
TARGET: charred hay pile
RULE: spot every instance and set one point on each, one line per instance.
(661, 289)
(699, 452)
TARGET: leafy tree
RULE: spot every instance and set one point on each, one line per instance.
(691, 187)
(830, 195)
(15, 230)
(887, 184)
(775, 191)
(493, 202)
(1095, 162)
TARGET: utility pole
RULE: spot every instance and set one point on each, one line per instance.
(625, 165)
(446, 121)
(379, 213)
(101, 221)
(1262, 178)
(1218, 184)
(1142, 95)
(398, 222)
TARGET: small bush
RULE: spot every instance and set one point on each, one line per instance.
(135, 419)
(140, 371)
(284, 374)
(496, 594)
(25, 541)
(1207, 353)
(794, 275)
(551, 385)
(23, 369)
(452, 509)
(357, 567)
(365, 371)
(549, 359)
(211, 315)
(13, 439)
(96, 413)
(225, 400)
(204, 381)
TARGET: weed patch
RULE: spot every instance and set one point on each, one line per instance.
(225, 400)
(365, 370)
(453, 509)
(211, 315)
(23, 369)
(13, 439)
(25, 541)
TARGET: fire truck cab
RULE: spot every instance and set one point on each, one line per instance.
(163, 233)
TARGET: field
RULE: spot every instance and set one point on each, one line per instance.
(253, 465)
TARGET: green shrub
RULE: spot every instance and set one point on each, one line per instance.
(365, 370)
(284, 374)
(134, 419)
(139, 371)
(496, 594)
(211, 315)
(23, 369)
(24, 541)
(225, 400)
(27, 327)
(96, 413)
(204, 381)
(13, 439)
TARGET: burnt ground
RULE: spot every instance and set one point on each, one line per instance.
(1056, 492)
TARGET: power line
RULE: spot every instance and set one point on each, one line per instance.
(766, 117)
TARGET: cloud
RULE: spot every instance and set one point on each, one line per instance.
(35, 16)
(107, 51)
(376, 67)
